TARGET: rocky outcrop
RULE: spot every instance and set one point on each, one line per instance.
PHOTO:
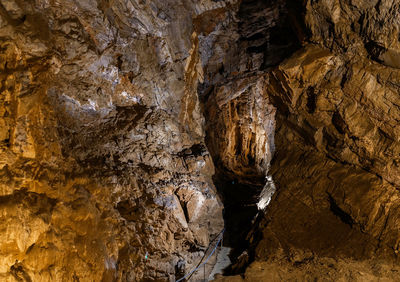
(118, 117)
(104, 170)
(241, 128)
(337, 145)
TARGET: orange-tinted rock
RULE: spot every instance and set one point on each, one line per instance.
(104, 173)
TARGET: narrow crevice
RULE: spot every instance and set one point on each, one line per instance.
(240, 210)
(344, 217)
(268, 32)
(19, 273)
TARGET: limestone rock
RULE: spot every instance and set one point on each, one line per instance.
(118, 119)
(336, 139)
(104, 170)
(241, 128)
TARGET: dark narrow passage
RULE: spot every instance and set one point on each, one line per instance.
(240, 210)
(240, 129)
(270, 28)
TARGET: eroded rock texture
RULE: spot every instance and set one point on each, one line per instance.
(117, 118)
(335, 215)
(104, 169)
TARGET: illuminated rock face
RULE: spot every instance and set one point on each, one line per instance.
(335, 165)
(241, 128)
(102, 145)
(116, 116)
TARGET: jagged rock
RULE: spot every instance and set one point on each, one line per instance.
(241, 128)
(335, 165)
(117, 118)
(104, 171)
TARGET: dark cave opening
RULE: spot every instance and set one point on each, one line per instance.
(269, 31)
(273, 28)
(240, 212)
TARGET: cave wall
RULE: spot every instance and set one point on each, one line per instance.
(335, 213)
(338, 123)
(117, 117)
(241, 126)
(104, 171)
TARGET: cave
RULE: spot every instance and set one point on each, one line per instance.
(199, 140)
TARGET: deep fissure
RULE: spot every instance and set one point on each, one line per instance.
(240, 211)
(267, 34)
(134, 133)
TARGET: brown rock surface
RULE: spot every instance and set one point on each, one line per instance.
(104, 171)
(241, 128)
(337, 141)
(326, 269)
(117, 118)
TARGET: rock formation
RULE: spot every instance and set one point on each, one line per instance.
(335, 215)
(126, 127)
(104, 170)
